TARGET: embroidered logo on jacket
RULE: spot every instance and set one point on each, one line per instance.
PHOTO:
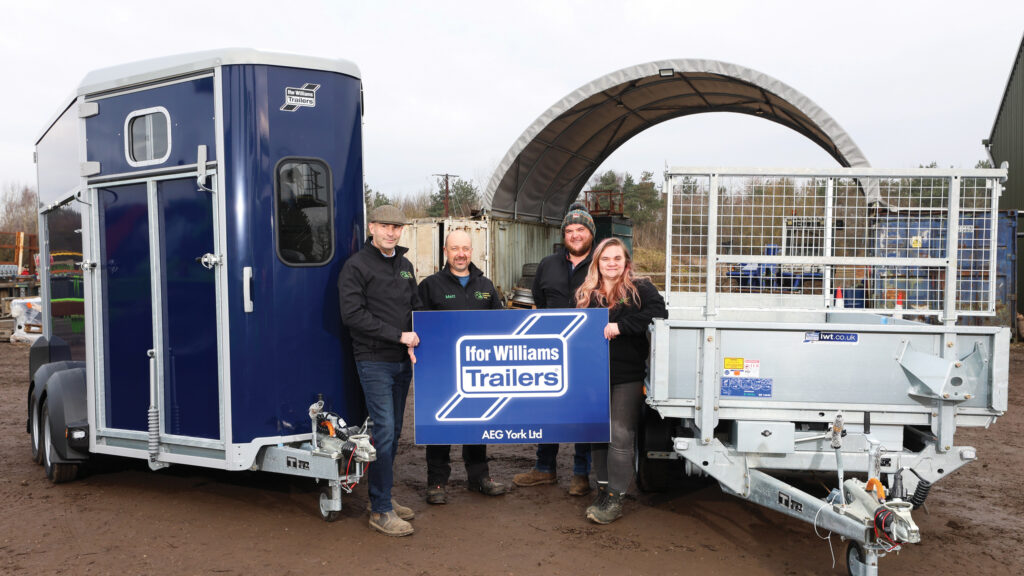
(405, 274)
(482, 295)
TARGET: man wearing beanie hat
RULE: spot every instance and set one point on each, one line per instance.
(377, 291)
(554, 286)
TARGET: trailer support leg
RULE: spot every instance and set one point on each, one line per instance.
(862, 566)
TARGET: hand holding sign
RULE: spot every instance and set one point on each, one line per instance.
(611, 330)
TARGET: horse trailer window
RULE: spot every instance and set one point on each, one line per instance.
(147, 136)
(304, 212)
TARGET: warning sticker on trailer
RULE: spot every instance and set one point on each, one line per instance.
(752, 368)
(742, 368)
(833, 337)
(747, 387)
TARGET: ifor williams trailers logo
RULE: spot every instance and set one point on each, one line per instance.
(295, 98)
(493, 369)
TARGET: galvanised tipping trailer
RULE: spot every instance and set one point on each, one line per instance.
(813, 328)
(195, 211)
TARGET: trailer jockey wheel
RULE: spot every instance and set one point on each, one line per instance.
(325, 504)
(854, 553)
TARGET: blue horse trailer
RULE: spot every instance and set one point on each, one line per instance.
(195, 212)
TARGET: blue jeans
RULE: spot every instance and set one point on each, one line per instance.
(547, 454)
(386, 386)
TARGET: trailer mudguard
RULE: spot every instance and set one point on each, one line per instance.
(44, 351)
(37, 387)
(66, 398)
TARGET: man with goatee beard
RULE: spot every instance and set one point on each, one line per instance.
(554, 286)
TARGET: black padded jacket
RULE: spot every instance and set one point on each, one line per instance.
(627, 352)
(556, 281)
(443, 291)
(377, 295)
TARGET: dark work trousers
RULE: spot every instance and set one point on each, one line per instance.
(439, 463)
(613, 463)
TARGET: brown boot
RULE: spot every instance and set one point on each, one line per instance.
(404, 512)
(580, 485)
(534, 478)
(389, 523)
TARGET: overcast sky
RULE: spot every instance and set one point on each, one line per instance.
(450, 85)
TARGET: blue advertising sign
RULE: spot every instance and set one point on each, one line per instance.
(511, 376)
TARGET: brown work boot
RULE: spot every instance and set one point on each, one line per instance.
(389, 523)
(534, 478)
(403, 512)
(580, 485)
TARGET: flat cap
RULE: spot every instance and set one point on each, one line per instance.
(388, 214)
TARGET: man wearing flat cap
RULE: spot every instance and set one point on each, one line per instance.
(554, 286)
(377, 288)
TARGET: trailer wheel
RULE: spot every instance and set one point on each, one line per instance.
(854, 552)
(36, 437)
(655, 434)
(57, 472)
(325, 503)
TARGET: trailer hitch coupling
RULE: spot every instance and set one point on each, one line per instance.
(333, 438)
(891, 521)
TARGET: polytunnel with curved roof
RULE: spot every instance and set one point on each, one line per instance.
(549, 164)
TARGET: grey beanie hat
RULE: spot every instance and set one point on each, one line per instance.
(578, 214)
(388, 214)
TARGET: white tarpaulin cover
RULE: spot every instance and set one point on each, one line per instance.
(28, 319)
(549, 164)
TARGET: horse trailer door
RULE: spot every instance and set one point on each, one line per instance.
(159, 310)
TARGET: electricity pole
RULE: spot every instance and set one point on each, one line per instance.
(446, 176)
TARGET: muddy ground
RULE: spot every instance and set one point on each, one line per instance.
(123, 519)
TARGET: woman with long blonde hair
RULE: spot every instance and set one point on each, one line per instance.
(632, 303)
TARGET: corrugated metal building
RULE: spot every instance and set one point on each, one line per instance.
(1006, 144)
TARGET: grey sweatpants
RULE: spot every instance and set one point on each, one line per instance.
(613, 462)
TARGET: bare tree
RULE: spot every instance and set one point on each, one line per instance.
(18, 209)
(415, 205)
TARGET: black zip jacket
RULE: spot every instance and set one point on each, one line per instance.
(627, 352)
(442, 291)
(377, 296)
(556, 281)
